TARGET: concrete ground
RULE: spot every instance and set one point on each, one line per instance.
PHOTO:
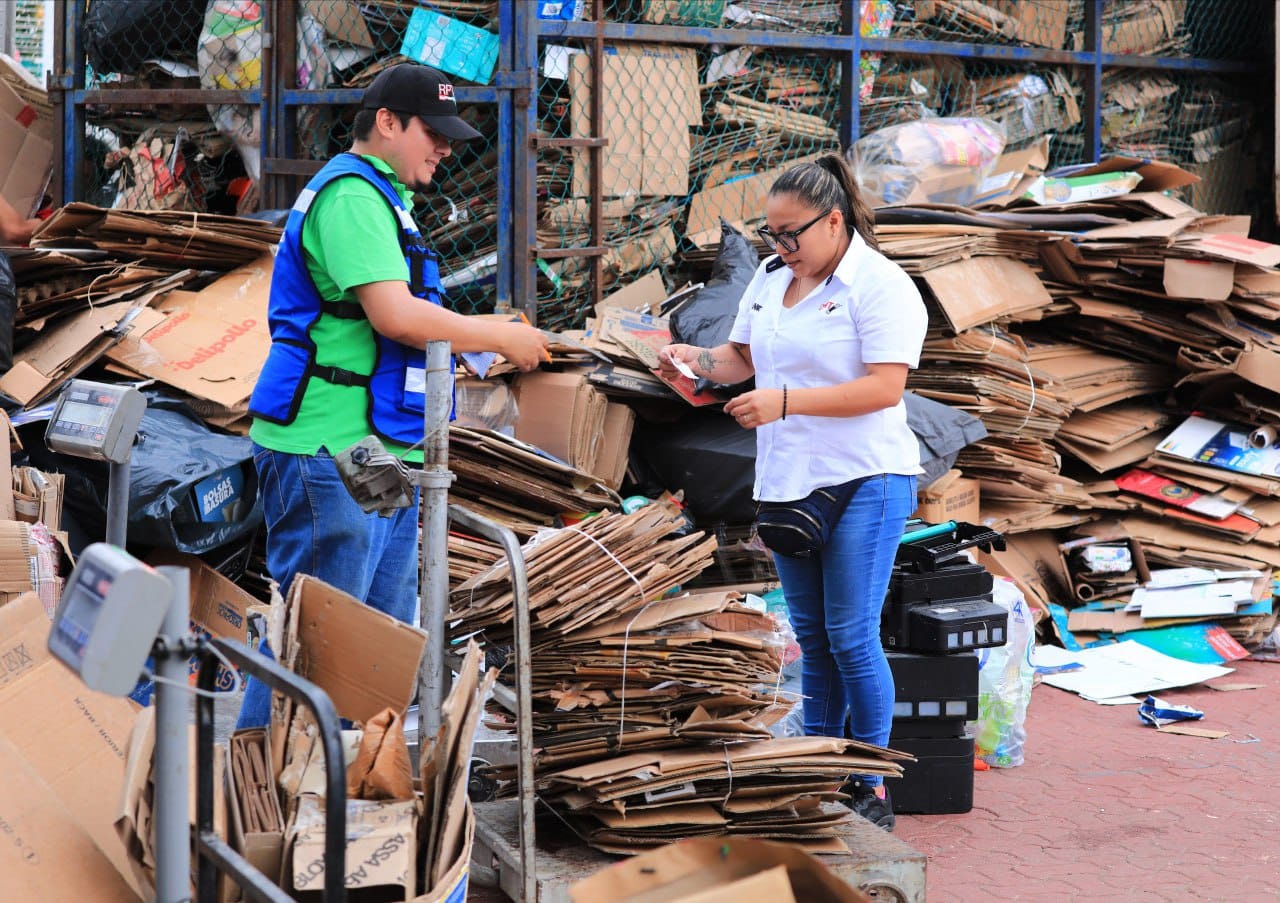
(1107, 808)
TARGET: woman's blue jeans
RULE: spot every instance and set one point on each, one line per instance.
(315, 527)
(835, 600)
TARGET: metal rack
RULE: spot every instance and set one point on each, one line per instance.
(514, 92)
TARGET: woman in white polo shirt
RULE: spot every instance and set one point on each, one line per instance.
(829, 327)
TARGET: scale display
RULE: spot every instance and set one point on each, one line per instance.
(97, 421)
(108, 618)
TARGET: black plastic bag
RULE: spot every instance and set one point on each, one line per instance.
(707, 320)
(119, 34)
(181, 475)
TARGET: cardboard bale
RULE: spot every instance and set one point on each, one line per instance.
(650, 99)
(62, 751)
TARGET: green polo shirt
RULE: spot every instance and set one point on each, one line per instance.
(350, 237)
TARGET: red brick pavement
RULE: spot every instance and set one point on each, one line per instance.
(1105, 808)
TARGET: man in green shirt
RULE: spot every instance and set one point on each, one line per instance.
(355, 297)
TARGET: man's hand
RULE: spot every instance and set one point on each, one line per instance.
(522, 345)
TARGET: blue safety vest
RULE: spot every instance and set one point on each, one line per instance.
(397, 386)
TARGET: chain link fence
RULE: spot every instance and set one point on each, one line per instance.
(758, 109)
(641, 146)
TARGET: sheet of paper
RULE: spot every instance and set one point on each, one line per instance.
(1193, 601)
(1128, 668)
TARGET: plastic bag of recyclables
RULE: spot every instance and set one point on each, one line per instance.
(230, 57)
(938, 160)
(1005, 679)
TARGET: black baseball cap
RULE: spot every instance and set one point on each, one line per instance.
(419, 91)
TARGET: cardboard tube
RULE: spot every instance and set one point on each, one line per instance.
(1264, 436)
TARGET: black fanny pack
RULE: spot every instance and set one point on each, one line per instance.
(800, 528)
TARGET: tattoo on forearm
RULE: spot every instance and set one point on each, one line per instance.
(706, 362)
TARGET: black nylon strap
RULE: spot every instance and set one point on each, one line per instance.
(343, 310)
(339, 376)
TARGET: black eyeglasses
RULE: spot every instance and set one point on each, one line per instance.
(789, 241)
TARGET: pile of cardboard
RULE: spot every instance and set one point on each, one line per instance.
(518, 485)
(627, 679)
(782, 789)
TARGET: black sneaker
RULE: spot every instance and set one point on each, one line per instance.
(866, 801)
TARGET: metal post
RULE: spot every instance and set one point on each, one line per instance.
(524, 173)
(433, 679)
(172, 765)
(118, 505)
(1093, 80)
(850, 75)
(522, 704)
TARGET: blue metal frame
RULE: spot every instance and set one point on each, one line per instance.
(515, 89)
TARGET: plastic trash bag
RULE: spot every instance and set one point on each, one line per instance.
(119, 35)
(707, 319)
(1005, 676)
(190, 489)
(941, 160)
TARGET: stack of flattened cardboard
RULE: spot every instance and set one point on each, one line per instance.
(620, 669)
(604, 567)
(780, 789)
(684, 668)
(169, 238)
(518, 485)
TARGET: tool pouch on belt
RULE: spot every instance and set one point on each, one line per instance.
(801, 528)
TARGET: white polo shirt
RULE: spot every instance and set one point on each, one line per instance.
(867, 312)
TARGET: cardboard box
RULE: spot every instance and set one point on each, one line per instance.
(950, 497)
(716, 870)
(219, 608)
(211, 343)
(364, 659)
(451, 46)
(262, 843)
(341, 20)
(37, 497)
(381, 844)
(26, 142)
(615, 443)
(650, 98)
(62, 754)
(562, 414)
(135, 823)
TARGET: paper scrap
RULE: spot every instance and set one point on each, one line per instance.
(1229, 688)
(1127, 668)
(1190, 731)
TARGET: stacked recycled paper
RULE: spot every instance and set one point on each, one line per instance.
(516, 484)
(628, 678)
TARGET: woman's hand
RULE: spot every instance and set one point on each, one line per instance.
(756, 408)
(685, 354)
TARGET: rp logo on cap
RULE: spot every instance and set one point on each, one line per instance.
(446, 92)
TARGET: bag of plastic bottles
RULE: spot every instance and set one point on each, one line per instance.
(1005, 676)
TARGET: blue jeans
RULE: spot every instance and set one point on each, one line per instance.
(315, 527)
(835, 600)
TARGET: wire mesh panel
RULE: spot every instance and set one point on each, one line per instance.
(157, 153)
